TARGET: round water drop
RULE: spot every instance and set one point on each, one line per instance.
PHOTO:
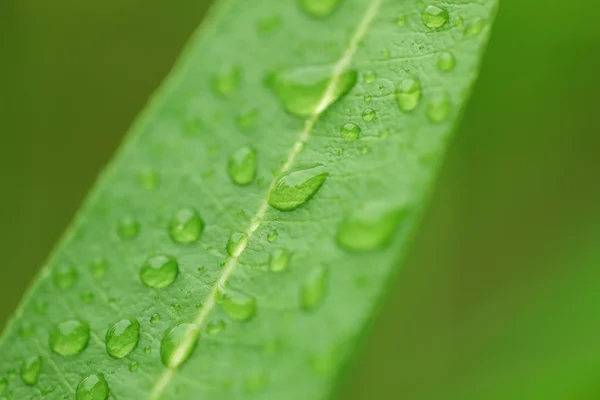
(370, 227)
(279, 260)
(474, 28)
(30, 370)
(148, 179)
(186, 226)
(154, 318)
(65, 276)
(128, 228)
(69, 337)
(92, 387)
(246, 120)
(368, 114)
(242, 166)
(439, 108)
(159, 271)
(147, 349)
(295, 188)
(369, 77)
(350, 131)
(408, 94)
(313, 288)
(434, 17)
(214, 327)
(133, 366)
(446, 62)
(178, 343)
(320, 8)
(235, 243)
(226, 82)
(239, 306)
(99, 267)
(272, 236)
(122, 337)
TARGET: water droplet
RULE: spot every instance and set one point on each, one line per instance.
(134, 366)
(408, 94)
(370, 227)
(237, 305)
(297, 187)
(474, 28)
(176, 307)
(350, 131)
(367, 99)
(186, 226)
(302, 90)
(92, 387)
(3, 385)
(69, 337)
(226, 82)
(272, 236)
(128, 228)
(313, 288)
(242, 166)
(270, 24)
(369, 77)
(255, 381)
(147, 349)
(99, 267)
(148, 179)
(368, 114)
(178, 343)
(247, 120)
(439, 108)
(279, 260)
(154, 318)
(235, 243)
(214, 327)
(446, 61)
(320, 8)
(65, 276)
(30, 370)
(159, 271)
(434, 17)
(400, 20)
(122, 337)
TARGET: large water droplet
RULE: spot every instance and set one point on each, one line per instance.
(186, 226)
(439, 108)
(235, 243)
(297, 187)
(69, 337)
(446, 61)
(369, 227)
(302, 90)
(178, 343)
(92, 387)
(242, 166)
(159, 271)
(122, 337)
(320, 8)
(226, 82)
(434, 17)
(128, 228)
(408, 94)
(65, 276)
(237, 305)
(313, 288)
(30, 370)
(279, 260)
(350, 131)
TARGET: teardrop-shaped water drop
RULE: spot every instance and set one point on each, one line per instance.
(439, 108)
(350, 131)
(69, 337)
(186, 226)
(239, 306)
(122, 337)
(302, 90)
(320, 8)
(242, 166)
(370, 227)
(30, 370)
(226, 82)
(408, 94)
(178, 343)
(92, 387)
(279, 260)
(64, 276)
(159, 271)
(434, 17)
(235, 243)
(313, 288)
(297, 187)
(446, 61)
(128, 228)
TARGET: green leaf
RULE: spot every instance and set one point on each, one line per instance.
(242, 238)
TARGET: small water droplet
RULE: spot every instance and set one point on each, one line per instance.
(239, 306)
(226, 82)
(69, 337)
(320, 8)
(313, 288)
(235, 243)
(434, 17)
(367, 99)
(400, 20)
(246, 120)
(186, 226)
(350, 131)
(148, 179)
(176, 307)
(272, 236)
(178, 343)
(242, 166)
(446, 61)
(370, 227)
(122, 337)
(368, 114)
(134, 366)
(147, 350)
(214, 327)
(92, 387)
(30, 370)
(99, 267)
(159, 271)
(302, 90)
(269, 24)
(279, 260)
(369, 77)
(154, 318)
(65, 276)
(408, 94)
(439, 108)
(128, 228)
(474, 28)
(297, 187)
(255, 381)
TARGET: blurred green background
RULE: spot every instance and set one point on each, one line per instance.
(500, 298)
